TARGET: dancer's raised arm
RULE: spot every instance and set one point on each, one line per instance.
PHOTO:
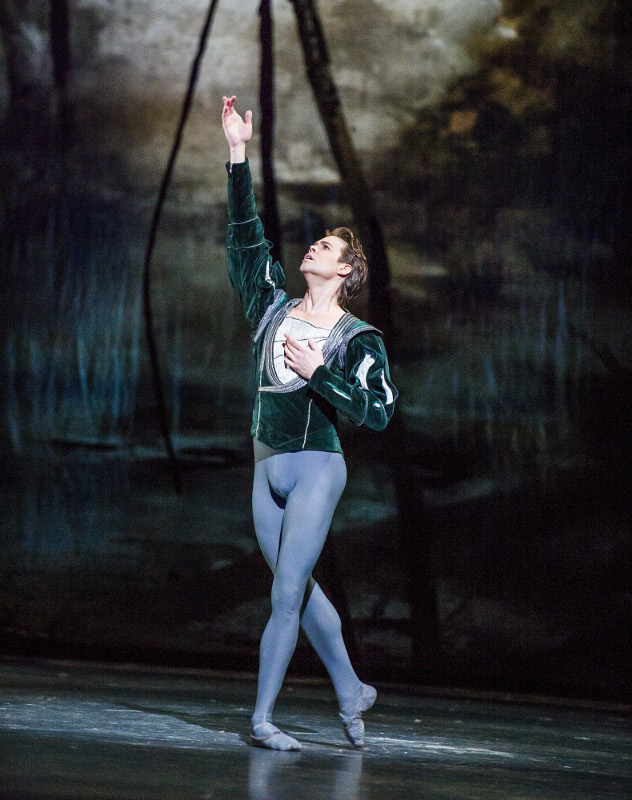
(252, 271)
(238, 131)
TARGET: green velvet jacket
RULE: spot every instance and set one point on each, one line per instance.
(355, 380)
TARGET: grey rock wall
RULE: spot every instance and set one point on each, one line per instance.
(131, 63)
(496, 142)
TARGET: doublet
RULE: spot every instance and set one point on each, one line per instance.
(354, 381)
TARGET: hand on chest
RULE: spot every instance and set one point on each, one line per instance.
(302, 331)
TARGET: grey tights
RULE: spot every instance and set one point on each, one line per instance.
(293, 500)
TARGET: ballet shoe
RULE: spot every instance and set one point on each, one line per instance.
(353, 723)
(275, 740)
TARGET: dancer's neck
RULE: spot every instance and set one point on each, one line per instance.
(319, 306)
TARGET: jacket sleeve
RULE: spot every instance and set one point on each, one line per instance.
(365, 395)
(252, 273)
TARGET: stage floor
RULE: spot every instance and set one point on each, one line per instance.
(80, 730)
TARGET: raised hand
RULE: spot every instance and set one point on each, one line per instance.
(238, 131)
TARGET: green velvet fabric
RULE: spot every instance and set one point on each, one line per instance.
(304, 419)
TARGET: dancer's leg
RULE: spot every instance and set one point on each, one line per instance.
(321, 624)
(311, 482)
(313, 486)
(268, 508)
(319, 618)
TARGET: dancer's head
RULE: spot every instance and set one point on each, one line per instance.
(338, 257)
(353, 255)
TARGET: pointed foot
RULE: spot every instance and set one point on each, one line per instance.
(352, 718)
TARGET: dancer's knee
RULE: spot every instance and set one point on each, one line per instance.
(287, 596)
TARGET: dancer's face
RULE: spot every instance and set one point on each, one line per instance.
(323, 259)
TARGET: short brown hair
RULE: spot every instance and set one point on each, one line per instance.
(352, 254)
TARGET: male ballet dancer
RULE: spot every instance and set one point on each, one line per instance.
(314, 359)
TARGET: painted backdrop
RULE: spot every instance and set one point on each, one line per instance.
(484, 539)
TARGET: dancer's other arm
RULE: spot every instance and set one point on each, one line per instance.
(253, 274)
(365, 395)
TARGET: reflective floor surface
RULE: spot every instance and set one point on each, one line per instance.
(91, 731)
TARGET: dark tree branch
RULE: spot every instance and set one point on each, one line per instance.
(270, 215)
(27, 125)
(147, 307)
(416, 543)
(19, 72)
(357, 190)
(415, 536)
(328, 560)
(61, 56)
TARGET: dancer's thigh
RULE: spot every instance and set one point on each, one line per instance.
(267, 512)
(320, 480)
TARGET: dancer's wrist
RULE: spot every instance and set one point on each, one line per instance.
(238, 153)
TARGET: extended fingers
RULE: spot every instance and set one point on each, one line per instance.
(229, 103)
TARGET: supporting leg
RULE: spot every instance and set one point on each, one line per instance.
(291, 532)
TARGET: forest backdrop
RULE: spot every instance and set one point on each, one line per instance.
(484, 149)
